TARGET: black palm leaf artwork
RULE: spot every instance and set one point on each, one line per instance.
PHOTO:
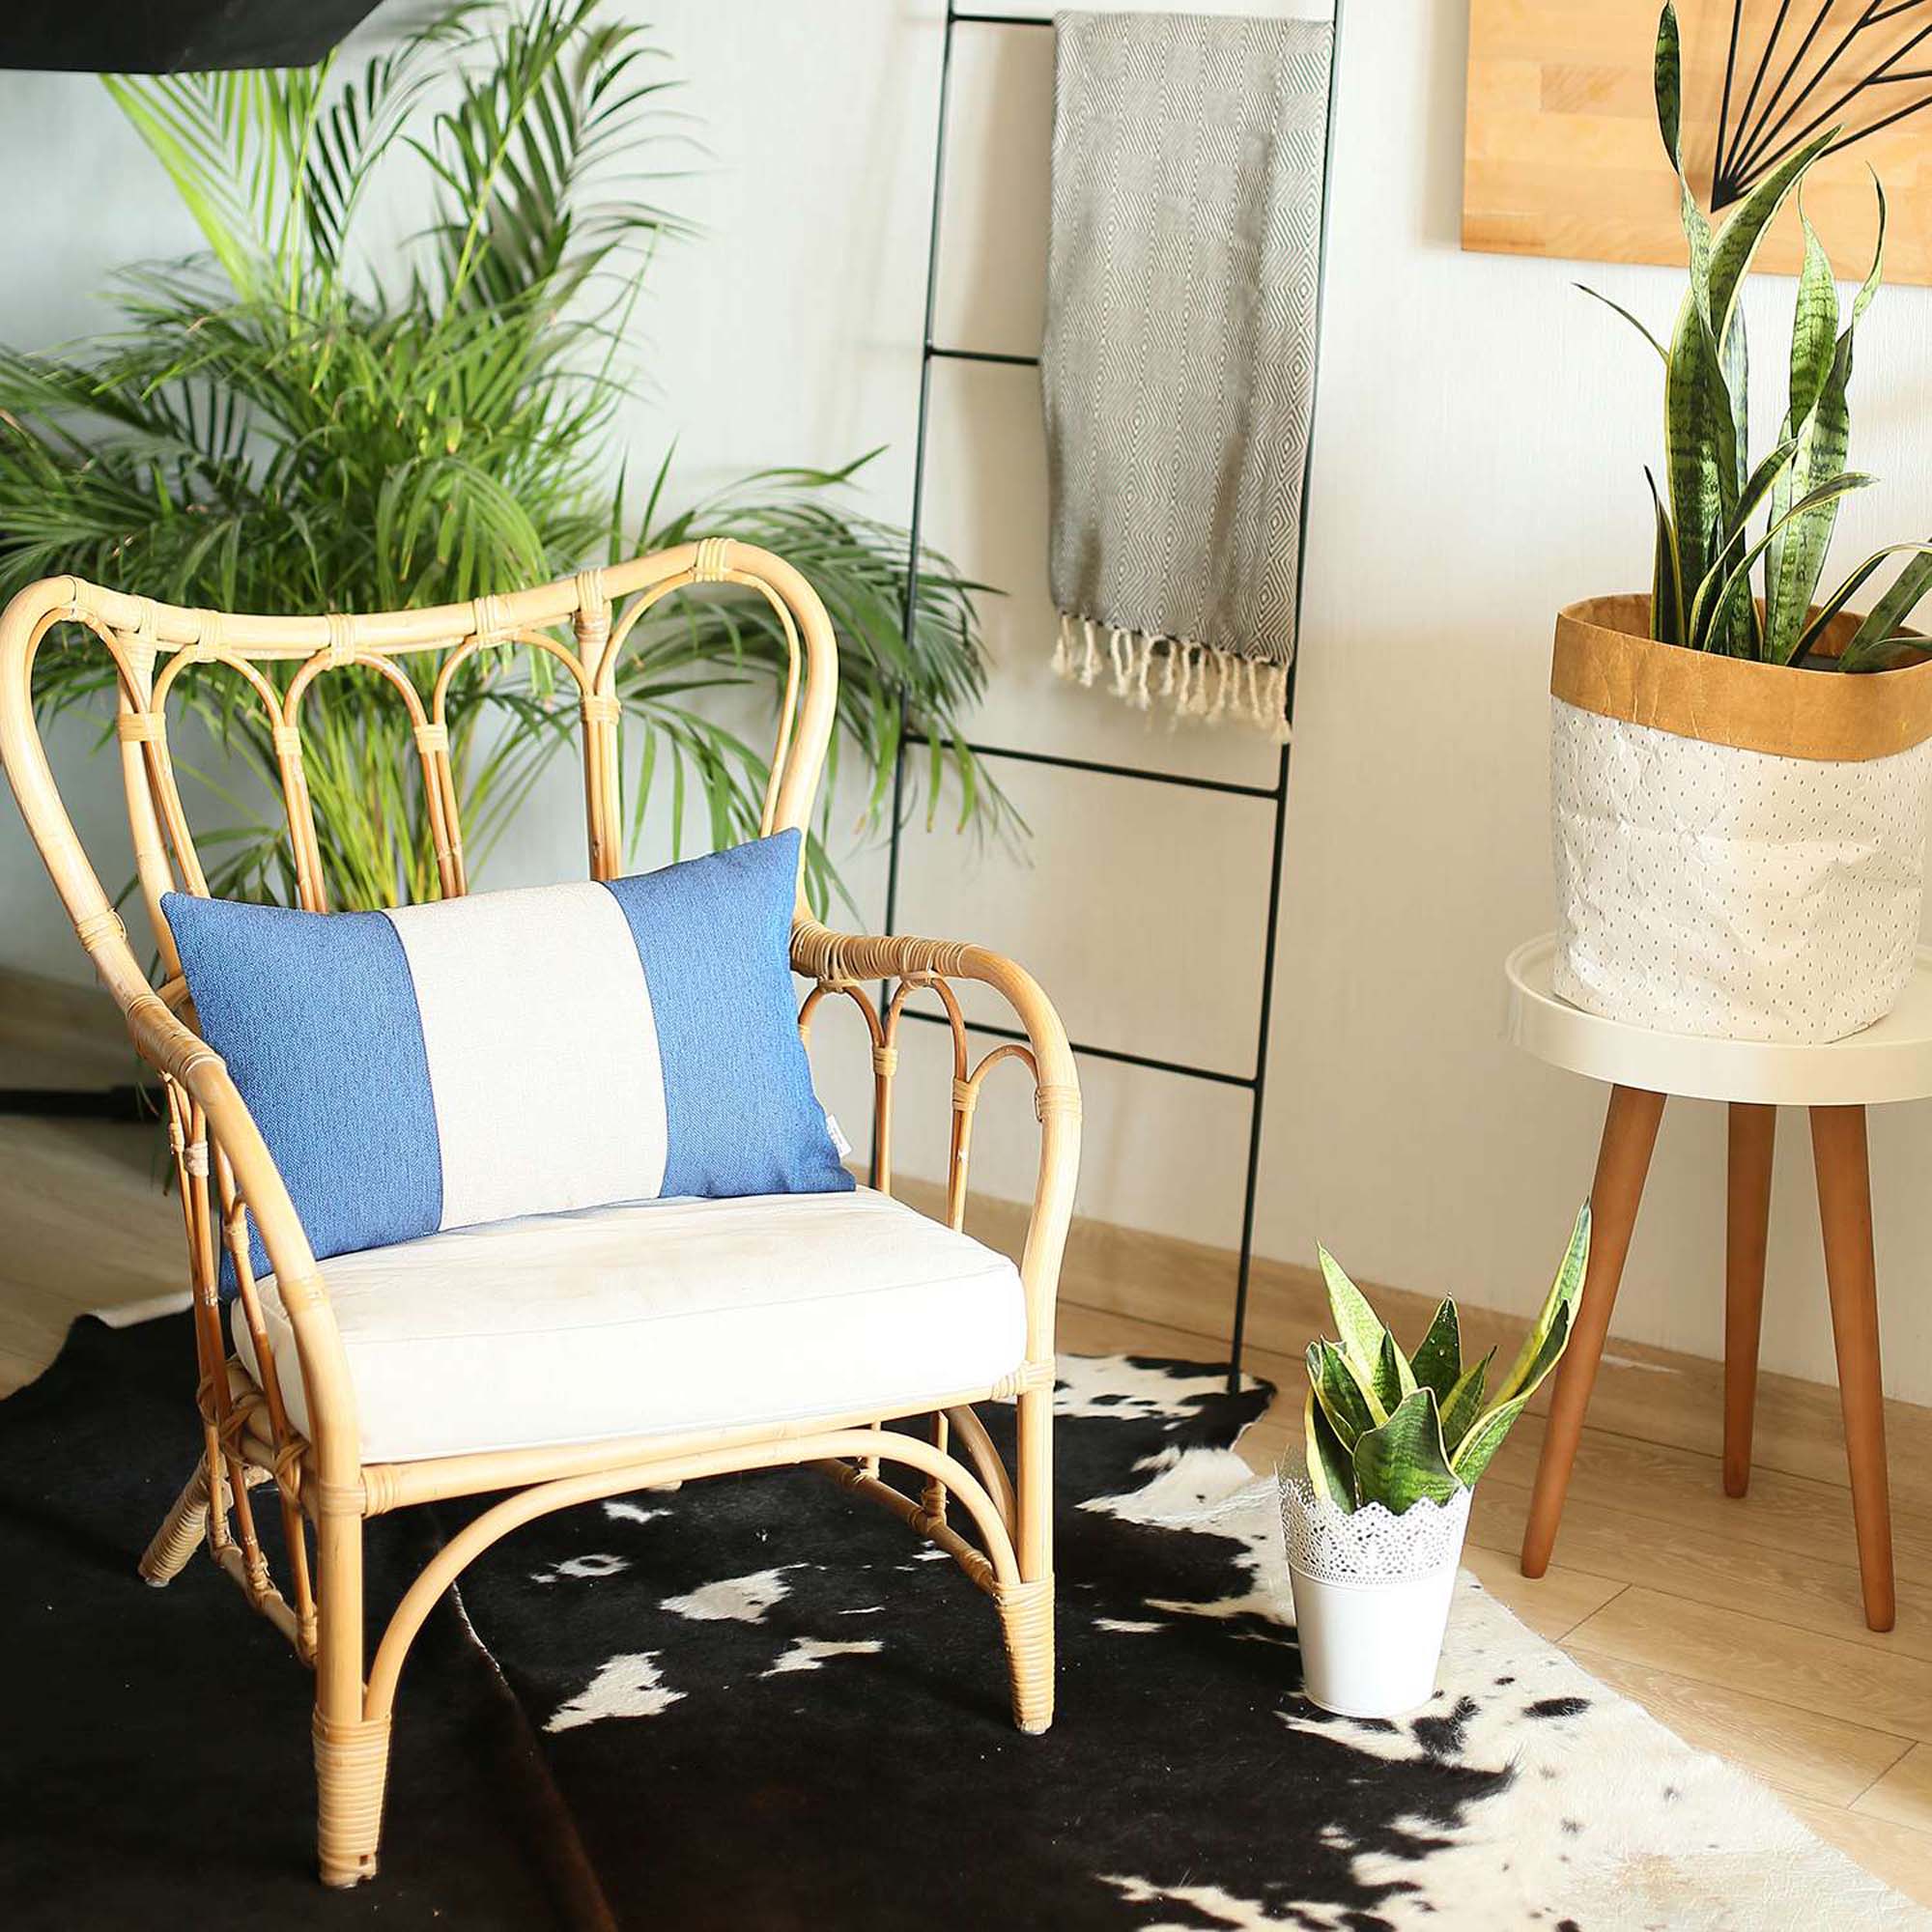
(1795, 69)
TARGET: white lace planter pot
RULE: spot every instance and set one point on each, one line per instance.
(1740, 847)
(1372, 1594)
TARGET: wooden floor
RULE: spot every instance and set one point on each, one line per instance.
(1736, 1622)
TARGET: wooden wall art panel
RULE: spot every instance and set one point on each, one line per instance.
(1562, 156)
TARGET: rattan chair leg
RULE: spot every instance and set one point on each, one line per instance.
(1026, 1609)
(352, 1765)
(352, 1747)
(180, 1534)
(1025, 1620)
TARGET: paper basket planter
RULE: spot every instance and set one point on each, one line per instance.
(1740, 847)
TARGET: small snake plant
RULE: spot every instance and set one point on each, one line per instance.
(1711, 539)
(1386, 1428)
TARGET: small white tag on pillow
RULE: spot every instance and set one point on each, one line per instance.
(839, 1139)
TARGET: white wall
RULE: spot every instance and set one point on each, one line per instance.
(1478, 449)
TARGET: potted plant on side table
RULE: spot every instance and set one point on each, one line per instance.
(1375, 1522)
(1740, 769)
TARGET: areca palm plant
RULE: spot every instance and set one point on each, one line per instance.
(305, 418)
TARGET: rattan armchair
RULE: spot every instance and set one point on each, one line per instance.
(320, 1481)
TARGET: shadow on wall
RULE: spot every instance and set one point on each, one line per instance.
(1439, 156)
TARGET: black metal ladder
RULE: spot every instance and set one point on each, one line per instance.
(1254, 1083)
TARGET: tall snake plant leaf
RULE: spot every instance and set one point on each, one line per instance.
(1438, 1362)
(1814, 325)
(1331, 1469)
(1795, 558)
(1350, 1406)
(1736, 637)
(1363, 1334)
(1736, 530)
(1464, 1401)
(1814, 331)
(1734, 622)
(1695, 440)
(1617, 308)
(1667, 66)
(1871, 643)
(1706, 372)
(1668, 82)
(1736, 244)
(1700, 440)
(1403, 1461)
(1762, 481)
(1563, 1293)
(1667, 582)
(1735, 588)
(1814, 630)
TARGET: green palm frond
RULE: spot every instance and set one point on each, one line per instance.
(564, 97)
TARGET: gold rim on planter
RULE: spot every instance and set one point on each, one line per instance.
(1604, 661)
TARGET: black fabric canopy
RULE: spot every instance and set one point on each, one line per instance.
(171, 36)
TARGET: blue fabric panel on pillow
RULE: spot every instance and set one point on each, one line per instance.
(741, 1115)
(315, 1015)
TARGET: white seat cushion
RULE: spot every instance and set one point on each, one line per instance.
(653, 1317)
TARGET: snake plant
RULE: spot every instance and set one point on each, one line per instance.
(1382, 1427)
(1727, 518)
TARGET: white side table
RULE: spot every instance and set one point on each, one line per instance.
(1890, 1061)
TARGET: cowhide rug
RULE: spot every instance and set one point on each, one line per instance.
(758, 1703)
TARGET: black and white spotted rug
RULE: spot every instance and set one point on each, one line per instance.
(758, 1703)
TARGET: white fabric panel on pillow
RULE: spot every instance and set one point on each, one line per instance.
(576, 1114)
(657, 1316)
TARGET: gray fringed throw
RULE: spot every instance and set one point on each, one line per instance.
(1178, 364)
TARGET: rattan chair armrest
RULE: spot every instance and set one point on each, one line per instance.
(838, 959)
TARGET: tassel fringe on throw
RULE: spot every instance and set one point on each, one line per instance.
(1192, 680)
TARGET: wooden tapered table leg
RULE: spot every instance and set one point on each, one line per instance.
(1844, 1209)
(1623, 1160)
(1748, 1223)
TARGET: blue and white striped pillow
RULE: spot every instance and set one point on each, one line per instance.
(517, 1052)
